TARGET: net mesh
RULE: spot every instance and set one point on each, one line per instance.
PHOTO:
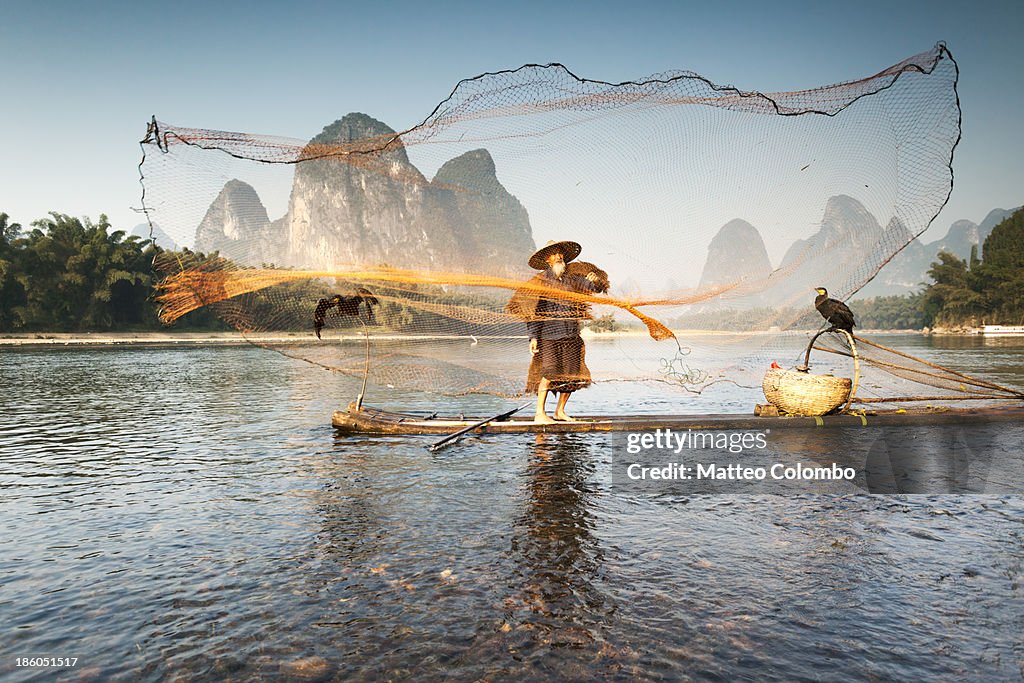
(693, 203)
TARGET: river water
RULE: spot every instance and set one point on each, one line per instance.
(188, 513)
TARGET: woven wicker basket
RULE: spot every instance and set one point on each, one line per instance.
(801, 393)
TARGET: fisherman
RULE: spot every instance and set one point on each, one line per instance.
(554, 327)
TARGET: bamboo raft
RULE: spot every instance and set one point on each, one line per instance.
(367, 420)
(811, 401)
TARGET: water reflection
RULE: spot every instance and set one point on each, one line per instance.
(346, 504)
(557, 556)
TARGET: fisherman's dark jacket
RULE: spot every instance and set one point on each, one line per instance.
(555, 317)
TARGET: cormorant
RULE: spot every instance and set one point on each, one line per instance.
(836, 312)
(347, 306)
(322, 307)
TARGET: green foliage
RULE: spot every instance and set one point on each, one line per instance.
(889, 312)
(451, 311)
(605, 323)
(950, 299)
(1001, 280)
(73, 275)
(70, 274)
(988, 290)
(12, 292)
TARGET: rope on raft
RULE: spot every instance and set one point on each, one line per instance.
(963, 379)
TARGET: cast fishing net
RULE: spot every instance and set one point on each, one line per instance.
(704, 204)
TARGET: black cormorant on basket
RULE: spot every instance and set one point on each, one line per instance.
(835, 312)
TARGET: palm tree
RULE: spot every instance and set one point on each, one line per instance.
(11, 292)
(84, 276)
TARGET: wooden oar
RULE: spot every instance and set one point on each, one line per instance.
(452, 437)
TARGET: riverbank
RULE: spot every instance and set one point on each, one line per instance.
(235, 338)
(956, 331)
(145, 338)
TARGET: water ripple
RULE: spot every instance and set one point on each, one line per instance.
(189, 512)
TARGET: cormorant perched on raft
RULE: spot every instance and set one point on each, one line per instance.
(348, 306)
(836, 312)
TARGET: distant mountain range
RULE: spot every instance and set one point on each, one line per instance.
(382, 210)
(379, 210)
(909, 269)
(849, 245)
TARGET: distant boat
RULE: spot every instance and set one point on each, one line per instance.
(1002, 329)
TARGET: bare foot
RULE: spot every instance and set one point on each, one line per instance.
(543, 419)
(562, 417)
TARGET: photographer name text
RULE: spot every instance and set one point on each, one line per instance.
(675, 471)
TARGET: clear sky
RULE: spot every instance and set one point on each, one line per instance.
(79, 80)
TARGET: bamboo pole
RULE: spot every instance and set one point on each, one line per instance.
(366, 365)
(856, 362)
(898, 399)
(856, 371)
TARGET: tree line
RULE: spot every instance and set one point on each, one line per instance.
(989, 289)
(67, 274)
